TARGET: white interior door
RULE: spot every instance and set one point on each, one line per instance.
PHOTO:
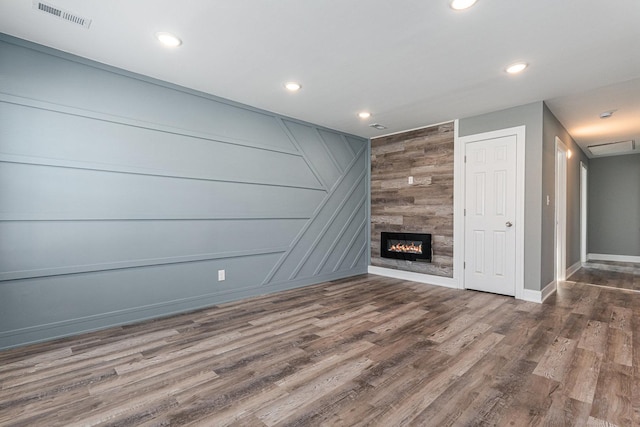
(490, 215)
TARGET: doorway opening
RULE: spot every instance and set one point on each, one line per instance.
(583, 213)
(561, 212)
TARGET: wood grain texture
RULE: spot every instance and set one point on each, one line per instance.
(426, 206)
(609, 274)
(363, 351)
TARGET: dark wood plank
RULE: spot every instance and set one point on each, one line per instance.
(614, 394)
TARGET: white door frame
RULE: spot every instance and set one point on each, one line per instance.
(583, 212)
(459, 198)
(560, 233)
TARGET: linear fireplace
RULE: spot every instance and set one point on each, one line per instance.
(406, 246)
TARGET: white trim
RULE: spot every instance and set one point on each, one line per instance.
(539, 296)
(414, 277)
(458, 208)
(549, 290)
(584, 182)
(617, 258)
(575, 267)
(458, 204)
(532, 296)
(560, 215)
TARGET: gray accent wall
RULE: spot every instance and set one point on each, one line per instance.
(121, 197)
(613, 219)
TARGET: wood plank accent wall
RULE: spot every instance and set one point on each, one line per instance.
(424, 207)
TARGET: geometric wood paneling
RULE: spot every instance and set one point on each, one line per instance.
(426, 206)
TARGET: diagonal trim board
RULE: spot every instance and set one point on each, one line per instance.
(345, 186)
(326, 227)
(287, 132)
(340, 234)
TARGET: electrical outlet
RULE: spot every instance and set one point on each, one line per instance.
(221, 275)
(410, 180)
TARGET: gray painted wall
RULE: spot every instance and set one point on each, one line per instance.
(542, 127)
(529, 115)
(551, 129)
(121, 197)
(614, 205)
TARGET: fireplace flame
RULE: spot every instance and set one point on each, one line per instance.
(407, 248)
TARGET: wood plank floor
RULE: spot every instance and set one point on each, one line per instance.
(361, 351)
(609, 274)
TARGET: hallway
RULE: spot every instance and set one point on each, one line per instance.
(609, 274)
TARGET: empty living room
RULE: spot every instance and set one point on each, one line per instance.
(410, 213)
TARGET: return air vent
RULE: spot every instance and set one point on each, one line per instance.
(612, 148)
(61, 13)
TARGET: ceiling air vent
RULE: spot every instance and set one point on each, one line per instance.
(377, 126)
(61, 13)
(612, 148)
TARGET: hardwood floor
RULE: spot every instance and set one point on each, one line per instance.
(609, 274)
(361, 351)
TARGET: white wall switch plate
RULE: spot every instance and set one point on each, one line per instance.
(410, 180)
(221, 275)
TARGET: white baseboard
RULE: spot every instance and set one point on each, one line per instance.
(528, 295)
(550, 289)
(532, 296)
(575, 267)
(414, 277)
(539, 296)
(616, 258)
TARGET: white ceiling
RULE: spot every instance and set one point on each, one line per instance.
(410, 62)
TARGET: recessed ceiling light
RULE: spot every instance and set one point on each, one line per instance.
(462, 4)
(168, 39)
(364, 114)
(516, 68)
(293, 86)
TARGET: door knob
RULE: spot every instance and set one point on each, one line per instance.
(508, 224)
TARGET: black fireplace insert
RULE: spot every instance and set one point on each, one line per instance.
(406, 246)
